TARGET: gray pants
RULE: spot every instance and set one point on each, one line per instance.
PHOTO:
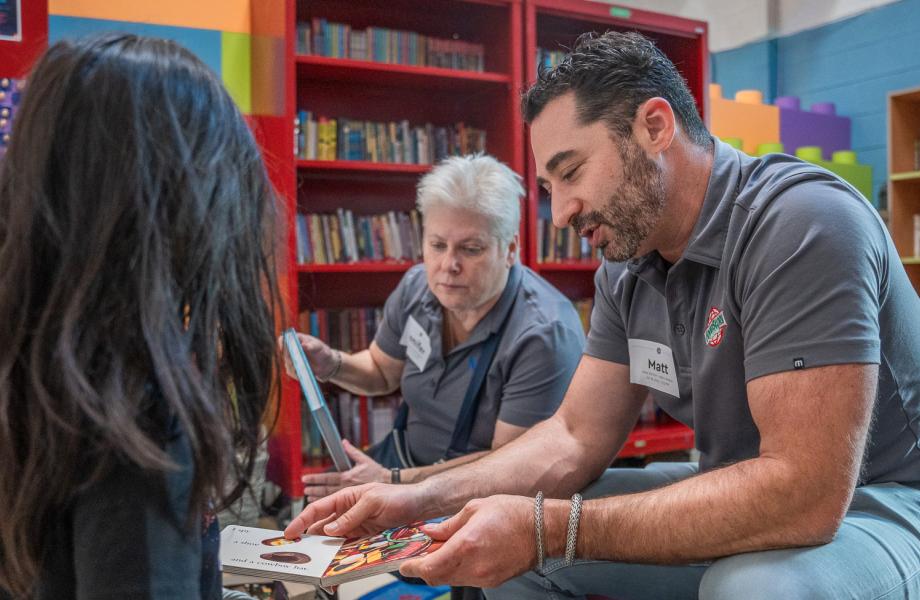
(875, 555)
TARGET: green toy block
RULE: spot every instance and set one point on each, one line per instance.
(770, 148)
(843, 163)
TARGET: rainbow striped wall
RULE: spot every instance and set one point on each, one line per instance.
(217, 31)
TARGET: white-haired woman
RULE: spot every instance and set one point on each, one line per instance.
(481, 346)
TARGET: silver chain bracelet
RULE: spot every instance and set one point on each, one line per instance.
(572, 532)
(335, 368)
(538, 526)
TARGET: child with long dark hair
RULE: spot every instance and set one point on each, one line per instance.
(137, 304)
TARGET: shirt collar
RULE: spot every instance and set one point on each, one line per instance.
(708, 238)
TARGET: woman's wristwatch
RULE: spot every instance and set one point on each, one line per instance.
(394, 475)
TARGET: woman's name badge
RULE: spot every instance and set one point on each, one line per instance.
(651, 364)
(417, 343)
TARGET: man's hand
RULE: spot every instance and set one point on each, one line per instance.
(320, 355)
(365, 470)
(487, 543)
(361, 510)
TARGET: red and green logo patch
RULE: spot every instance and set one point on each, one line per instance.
(715, 327)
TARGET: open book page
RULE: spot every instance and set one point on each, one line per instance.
(254, 551)
(322, 560)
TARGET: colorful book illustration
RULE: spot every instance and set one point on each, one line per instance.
(320, 560)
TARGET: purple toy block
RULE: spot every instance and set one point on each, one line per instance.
(819, 127)
(824, 108)
(790, 102)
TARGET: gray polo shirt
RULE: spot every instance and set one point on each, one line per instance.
(787, 268)
(539, 349)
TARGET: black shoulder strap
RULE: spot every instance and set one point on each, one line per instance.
(463, 428)
(460, 441)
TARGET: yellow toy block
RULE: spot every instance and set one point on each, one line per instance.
(746, 117)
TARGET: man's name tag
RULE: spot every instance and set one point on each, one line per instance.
(651, 364)
(417, 343)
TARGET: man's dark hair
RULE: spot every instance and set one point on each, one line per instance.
(611, 75)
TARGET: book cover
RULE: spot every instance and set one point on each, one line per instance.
(317, 559)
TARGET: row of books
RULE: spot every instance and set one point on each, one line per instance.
(554, 244)
(322, 138)
(342, 237)
(380, 44)
(361, 420)
(547, 59)
(348, 329)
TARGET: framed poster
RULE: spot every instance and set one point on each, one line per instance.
(10, 20)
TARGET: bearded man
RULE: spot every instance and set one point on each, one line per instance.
(761, 302)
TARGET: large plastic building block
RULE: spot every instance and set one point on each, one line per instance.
(746, 117)
(821, 126)
(843, 163)
(770, 148)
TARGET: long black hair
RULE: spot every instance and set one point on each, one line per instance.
(136, 272)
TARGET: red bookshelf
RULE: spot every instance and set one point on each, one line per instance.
(370, 91)
(589, 266)
(361, 71)
(359, 267)
(555, 25)
(354, 166)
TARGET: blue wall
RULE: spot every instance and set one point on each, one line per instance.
(854, 63)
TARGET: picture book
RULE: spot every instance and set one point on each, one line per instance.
(315, 401)
(320, 560)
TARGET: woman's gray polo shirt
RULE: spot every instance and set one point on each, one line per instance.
(788, 268)
(539, 349)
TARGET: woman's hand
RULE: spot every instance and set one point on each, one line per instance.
(365, 470)
(322, 358)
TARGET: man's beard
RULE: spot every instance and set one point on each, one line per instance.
(632, 211)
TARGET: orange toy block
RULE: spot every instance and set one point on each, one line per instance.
(746, 117)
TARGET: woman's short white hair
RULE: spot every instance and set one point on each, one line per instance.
(478, 183)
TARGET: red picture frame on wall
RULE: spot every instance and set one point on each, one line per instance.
(22, 43)
(10, 20)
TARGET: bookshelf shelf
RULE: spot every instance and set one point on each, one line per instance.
(910, 260)
(358, 268)
(369, 72)
(573, 265)
(345, 166)
(652, 438)
(906, 176)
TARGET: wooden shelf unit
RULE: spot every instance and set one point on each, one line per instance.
(904, 176)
